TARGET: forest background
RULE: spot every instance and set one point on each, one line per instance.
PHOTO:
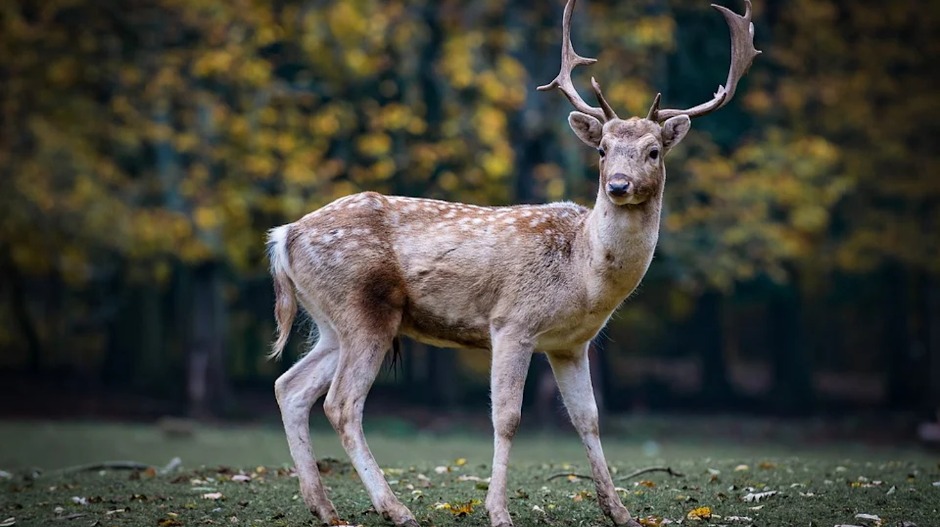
(147, 145)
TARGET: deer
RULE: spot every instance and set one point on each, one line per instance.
(515, 280)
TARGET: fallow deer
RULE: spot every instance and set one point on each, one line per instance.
(515, 280)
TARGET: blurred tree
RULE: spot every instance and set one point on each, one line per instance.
(145, 146)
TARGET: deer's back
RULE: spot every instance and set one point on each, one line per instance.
(449, 269)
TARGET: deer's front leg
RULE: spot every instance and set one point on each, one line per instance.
(512, 353)
(573, 375)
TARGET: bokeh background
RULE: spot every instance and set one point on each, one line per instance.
(147, 145)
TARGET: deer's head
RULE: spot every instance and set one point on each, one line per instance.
(631, 151)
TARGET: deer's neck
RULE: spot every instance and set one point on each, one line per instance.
(618, 246)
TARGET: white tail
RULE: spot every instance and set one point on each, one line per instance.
(284, 297)
(514, 280)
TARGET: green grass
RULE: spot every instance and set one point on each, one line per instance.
(816, 485)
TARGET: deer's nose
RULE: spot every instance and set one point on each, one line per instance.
(619, 185)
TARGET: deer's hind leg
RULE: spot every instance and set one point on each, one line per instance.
(297, 390)
(373, 317)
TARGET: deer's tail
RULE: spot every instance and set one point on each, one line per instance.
(285, 300)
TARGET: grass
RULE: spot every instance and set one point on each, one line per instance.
(815, 485)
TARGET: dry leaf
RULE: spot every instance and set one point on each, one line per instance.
(169, 522)
(646, 483)
(581, 495)
(700, 513)
(741, 468)
(651, 521)
(241, 478)
(757, 496)
(872, 519)
(212, 496)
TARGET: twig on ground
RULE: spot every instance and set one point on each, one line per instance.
(174, 464)
(568, 475)
(667, 470)
(106, 465)
(631, 475)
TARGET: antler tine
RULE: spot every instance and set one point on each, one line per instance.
(569, 60)
(743, 54)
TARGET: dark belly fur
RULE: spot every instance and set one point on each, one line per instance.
(429, 328)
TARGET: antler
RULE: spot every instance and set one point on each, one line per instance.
(570, 60)
(742, 56)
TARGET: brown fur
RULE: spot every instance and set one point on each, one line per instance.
(369, 268)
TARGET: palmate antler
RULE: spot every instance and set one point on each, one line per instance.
(742, 56)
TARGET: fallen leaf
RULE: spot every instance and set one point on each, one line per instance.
(212, 496)
(241, 478)
(79, 500)
(767, 465)
(441, 469)
(757, 496)
(869, 518)
(460, 510)
(581, 495)
(700, 513)
(460, 461)
(646, 483)
(741, 468)
(169, 522)
(651, 521)
(738, 519)
(8, 522)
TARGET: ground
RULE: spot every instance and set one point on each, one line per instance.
(242, 476)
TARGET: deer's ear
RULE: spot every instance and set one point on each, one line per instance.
(587, 128)
(674, 129)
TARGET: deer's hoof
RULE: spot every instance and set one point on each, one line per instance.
(621, 516)
(328, 516)
(401, 517)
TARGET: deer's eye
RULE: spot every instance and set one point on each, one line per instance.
(654, 153)
(601, 152)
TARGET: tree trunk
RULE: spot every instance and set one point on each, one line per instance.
(708, 331)
(149, 339)
(933, 342)
(207, 380)
(20, 312)
(442, 376)
(792, 391)
(902, 363)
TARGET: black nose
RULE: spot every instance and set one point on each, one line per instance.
(618, 188)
